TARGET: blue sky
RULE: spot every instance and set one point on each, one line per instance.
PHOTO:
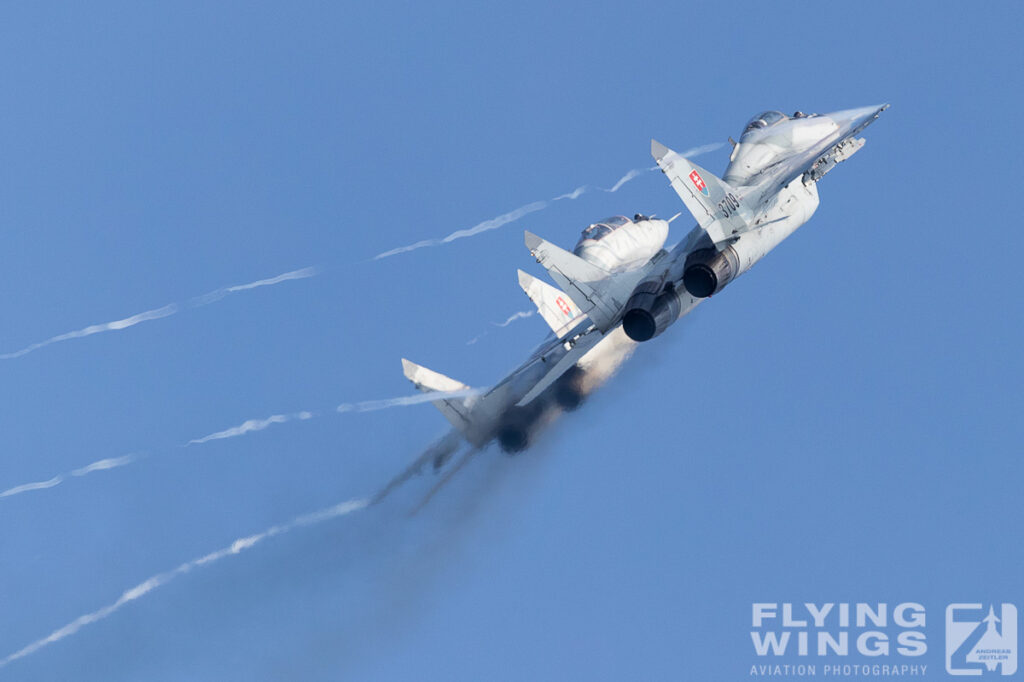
(841, 424)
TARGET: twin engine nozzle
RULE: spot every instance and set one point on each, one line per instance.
(650, 310)
(654, 306)
(709, 270)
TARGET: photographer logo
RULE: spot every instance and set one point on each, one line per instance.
(980, 640)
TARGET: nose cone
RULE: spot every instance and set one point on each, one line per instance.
(854, 117)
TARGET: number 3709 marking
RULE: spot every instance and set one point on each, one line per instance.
(729, 204)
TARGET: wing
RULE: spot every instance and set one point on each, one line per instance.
(585, 282)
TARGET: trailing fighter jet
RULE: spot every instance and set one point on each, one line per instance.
(503, 413)
(769, 190)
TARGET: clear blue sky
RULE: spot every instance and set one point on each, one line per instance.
(841, 424)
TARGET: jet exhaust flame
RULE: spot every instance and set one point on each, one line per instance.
(161, 579)
(158, 313)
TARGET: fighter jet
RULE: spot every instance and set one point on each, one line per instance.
(569, 363)
(769, 190)
(621, 287)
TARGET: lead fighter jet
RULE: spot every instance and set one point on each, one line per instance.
(769, 190)
(620, 287)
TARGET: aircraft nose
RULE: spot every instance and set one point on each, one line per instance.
(847, 116)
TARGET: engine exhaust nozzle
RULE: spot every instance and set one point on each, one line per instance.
(709, 270)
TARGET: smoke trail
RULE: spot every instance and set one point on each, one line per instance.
(100, 465)
(116, 325)
(158, 313)
(161, 579)
(371, 405)
(702, 149)
(522, 315)
(511, 216)
(245, 427)
(251, 425)
(485, 226)
(626, 178)
(637, 172)
(512, 318)
(492, 224)
(575, 194)
(218, 294)
(41, 485)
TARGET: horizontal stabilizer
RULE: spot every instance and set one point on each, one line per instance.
(716, 206)
(455, 410)
(577, 277)
(556, 307)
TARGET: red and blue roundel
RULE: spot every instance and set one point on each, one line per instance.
(564, 307)
(698, 182)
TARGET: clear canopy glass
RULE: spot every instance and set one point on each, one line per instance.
(603, 228)
(765, 119)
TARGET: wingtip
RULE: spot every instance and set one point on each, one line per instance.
(409, 368)
(525, 279)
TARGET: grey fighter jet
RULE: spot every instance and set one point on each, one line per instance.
(620, 286)
(513, 412)
(769, 190)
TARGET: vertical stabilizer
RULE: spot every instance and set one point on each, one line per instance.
(556, 307)
(586, 282)
(714, 203)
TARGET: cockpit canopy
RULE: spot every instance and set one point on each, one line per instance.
(603, 228)
(763, 120)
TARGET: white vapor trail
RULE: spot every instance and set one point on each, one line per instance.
(245, 427)
(521, 315)
(161, 579)
(302, 273)
(252, 425)
(492, 224)
(636, 172)
(702, 149)
(516, 214)
(626, 178)
(511, 318)
(419, 398)
(116, 325)
(100, 465)
(158, 313)
(218, 294)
